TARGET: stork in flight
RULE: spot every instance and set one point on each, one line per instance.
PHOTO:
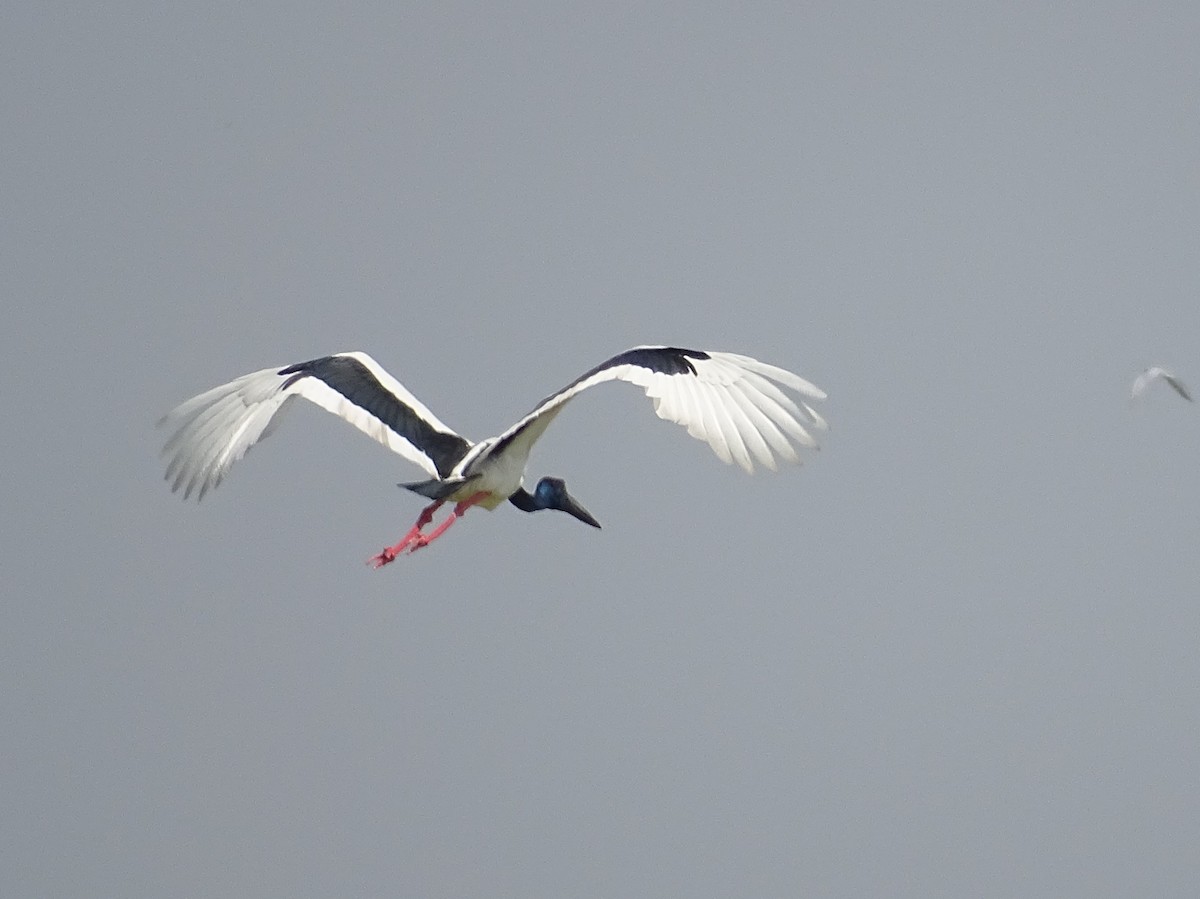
(1142, 381)
(732, 402)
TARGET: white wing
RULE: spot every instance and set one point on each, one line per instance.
(729, 401)
(215, 429)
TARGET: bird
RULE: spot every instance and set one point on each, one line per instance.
(732, 402)
(1142, 381)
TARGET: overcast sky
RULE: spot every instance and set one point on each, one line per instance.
(954, 654)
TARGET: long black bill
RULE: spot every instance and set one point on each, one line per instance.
(571, 507)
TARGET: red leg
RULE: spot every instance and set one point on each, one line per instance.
(423, 540)
(389, 553)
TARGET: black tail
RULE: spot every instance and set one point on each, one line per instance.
(437, 488)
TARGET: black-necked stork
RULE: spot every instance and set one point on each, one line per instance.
(1142, 381)
(732, 402)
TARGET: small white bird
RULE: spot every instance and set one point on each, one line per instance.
(734, 403)
(1142, 381)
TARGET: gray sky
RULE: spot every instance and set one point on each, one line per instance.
(954, 655)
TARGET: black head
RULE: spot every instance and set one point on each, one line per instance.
(551, 493)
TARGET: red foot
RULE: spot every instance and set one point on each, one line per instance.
(389, 553)
(415, 540)
(383, 558)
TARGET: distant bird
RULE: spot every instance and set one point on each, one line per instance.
(1142, 381)
(730, 401)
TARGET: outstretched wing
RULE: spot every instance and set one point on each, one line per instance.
(731, 402)
(1140, 383)
(1178, 385)
(216, 428)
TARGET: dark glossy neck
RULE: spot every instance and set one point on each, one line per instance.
(525, 501)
